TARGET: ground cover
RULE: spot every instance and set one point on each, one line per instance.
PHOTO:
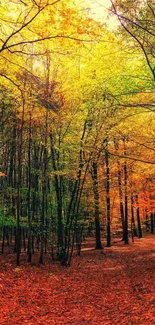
(113, 286)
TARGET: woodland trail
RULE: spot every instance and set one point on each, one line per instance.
(115, 286)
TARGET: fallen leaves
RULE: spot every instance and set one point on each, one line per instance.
(109, 287)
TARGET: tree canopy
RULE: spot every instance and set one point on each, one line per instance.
(77, 124)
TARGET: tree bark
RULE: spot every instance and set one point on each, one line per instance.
(133, 225)
(152, 223)
(126, 232)
(29, 195)
(138, 219)
(108, 196)
(96, 206)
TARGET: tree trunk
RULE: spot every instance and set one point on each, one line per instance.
(58, 190)
(42, 219)
(96, 206)
(108, 196)
(120, 192)
(138, 219)
(3, 238)
(126, 232)
(147, 222)
(121, 199)
(152, 223)
(45, 163)
(133, 226)
(19, 171)
(29, 195)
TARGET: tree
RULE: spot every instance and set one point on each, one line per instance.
(77, 130)
(137, 19)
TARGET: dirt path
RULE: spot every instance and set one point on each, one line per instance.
(115, 286)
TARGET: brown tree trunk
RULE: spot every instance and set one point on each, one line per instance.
(120, 192)
(29, 195)
(152, 223)
(133, 226)
(126, 232)
(19, 171)
(96, 206)
(108, 196)
(121, 199)
(138, 218)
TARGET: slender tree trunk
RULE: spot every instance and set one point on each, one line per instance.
(24, 241)
(42, 220)
(121, 199)
(29, 194)
(19, 170)
(138, 219)
(108, 196)
(58, 190)
(45, 162)
(147, 223)
(126, 232)
(12, 170)
(96, 206)
(18, 229)
(133, 226)
(152, 223)
(59, 212)
(3, 239)
(120, 192)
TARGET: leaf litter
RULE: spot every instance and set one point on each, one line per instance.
(113, 286)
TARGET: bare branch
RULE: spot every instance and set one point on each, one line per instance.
(134, 37)
(5, 46)
(48, 38)
(134, 23)
(13, 82)
(132, 158)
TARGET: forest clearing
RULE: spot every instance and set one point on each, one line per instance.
(77, 162)
(113, 286)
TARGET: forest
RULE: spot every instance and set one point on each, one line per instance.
(77, 142)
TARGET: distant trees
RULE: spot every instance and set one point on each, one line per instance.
(74, 145)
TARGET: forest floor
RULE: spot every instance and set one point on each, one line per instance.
(113, 286)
